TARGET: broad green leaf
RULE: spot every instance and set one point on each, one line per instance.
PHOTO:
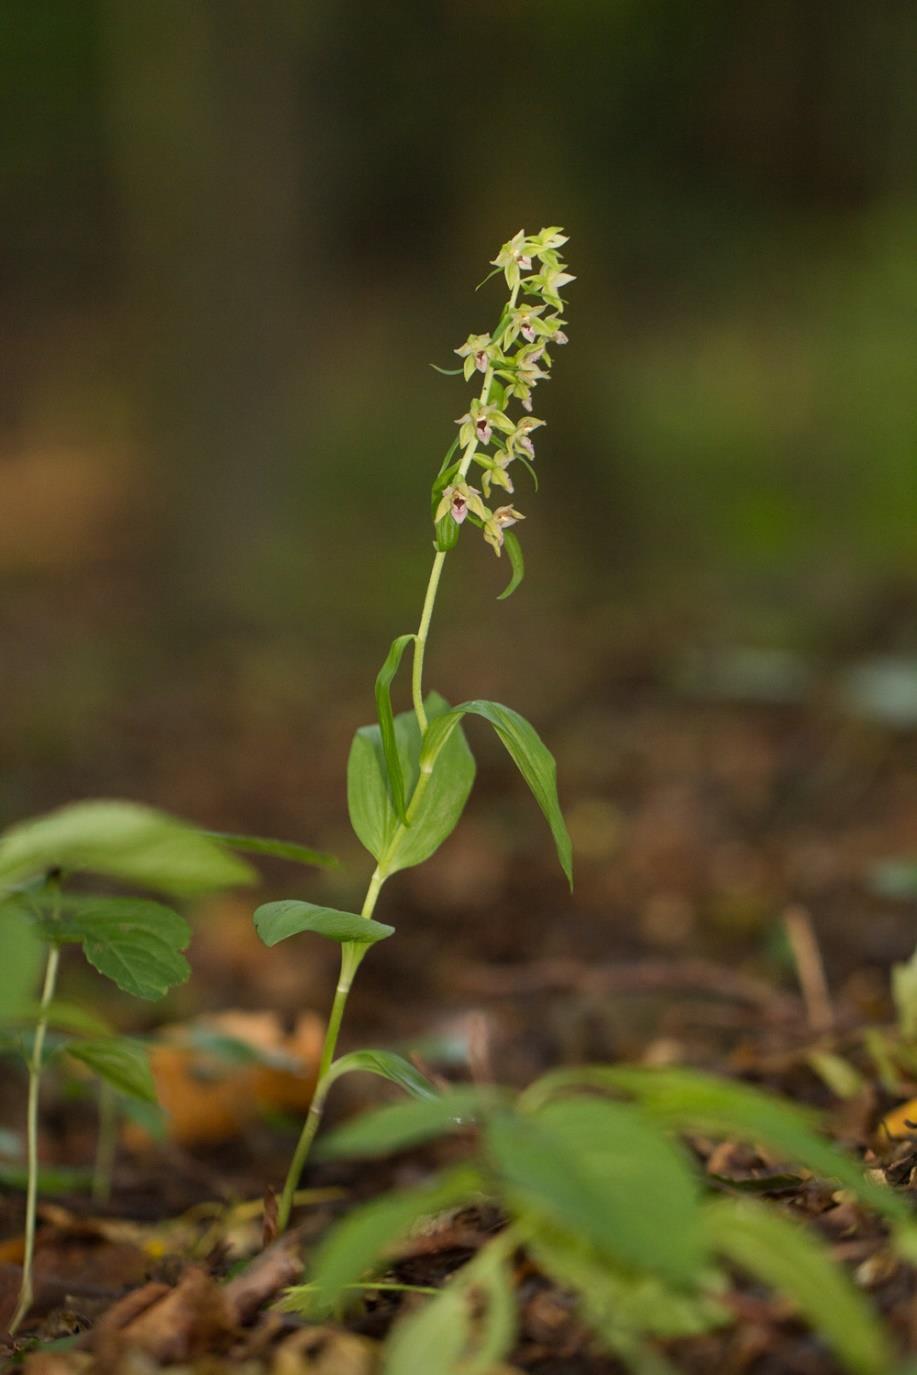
(516, 562)
(617, 1302)
(529, 753)
(384, 680)
(122, 840)
(387, 1065)
(434, 817)
(432, 1339)
(135, 943)
(904, 993)
(64, 1016)
(600, 1171)
(686, 1100)
(52, 1179)
(277, 849)
(488, 1278)
(398, 1126)
(790, 1259)
(356, 1244)
(120, 1062)
(277, 921)
(21, 960)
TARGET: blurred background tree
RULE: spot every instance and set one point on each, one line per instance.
(235, 233)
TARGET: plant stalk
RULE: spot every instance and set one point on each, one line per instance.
(31, 1201)
(106, 1143)
(352, 953)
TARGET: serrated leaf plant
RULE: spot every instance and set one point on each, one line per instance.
(136, 942)
(409, 775)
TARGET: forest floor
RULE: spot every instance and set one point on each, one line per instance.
(731, 913)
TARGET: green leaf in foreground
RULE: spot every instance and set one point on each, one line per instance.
(372, 811)
(276, 849)
(528, 752)
(601, 1172)
(686, 1100)
(135, 943)
(122, 1063)
(399, 1126)
(21, 960)
(387, 1065)
(790, 1259)
(435, 1338)
(277, 921)
(355, 1245)
(390, 752)
(122, 840)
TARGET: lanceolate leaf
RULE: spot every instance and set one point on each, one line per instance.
(400, 1126)
(432, 1338)
(516, 562)
(387, 1065)
(21, 958)
(136, 944)
(121, 840)
(686, 1100)
(356, 1244)
(601, 1172)
(276, 921)
(384, 680)
(372, 812)
(790, 1259)
(528, 752)
(122, 1063)
(277, 849)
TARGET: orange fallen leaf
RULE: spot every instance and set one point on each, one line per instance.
(209, 1097)
(899, 1124)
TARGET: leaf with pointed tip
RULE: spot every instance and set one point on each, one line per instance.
(399, 1126)
(277, 849)
(388, 1065)
(529, 753)
(122, 840)
(135, 943)
(516, 562)
(123, 1063)
(795, 1262)
(372, 813)
(356, 1245)
(21, 959)
(277, 921)
(384, 679)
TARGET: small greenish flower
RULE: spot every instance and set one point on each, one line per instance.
(546, 241)
(552, 330)
(457, 500)
(548, 282)
(495, 472)
(494, 526)
(477, 352)
(520, 441)
(514, 258)
(479, 423)
(526, 374)
(524, 320)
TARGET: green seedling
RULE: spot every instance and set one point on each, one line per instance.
(597, 1189)
(409, 775)
(136, 942)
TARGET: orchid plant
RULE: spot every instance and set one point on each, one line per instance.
(409, 775)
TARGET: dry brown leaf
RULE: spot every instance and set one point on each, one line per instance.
(326, 1351)
(208, 1099)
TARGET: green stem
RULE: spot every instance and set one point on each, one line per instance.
(31, 1200)
(351, 955)
(420, 640)
(106, 1144)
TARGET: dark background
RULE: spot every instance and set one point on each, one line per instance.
(233, 235)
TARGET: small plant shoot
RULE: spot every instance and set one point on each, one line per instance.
(410, 774)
